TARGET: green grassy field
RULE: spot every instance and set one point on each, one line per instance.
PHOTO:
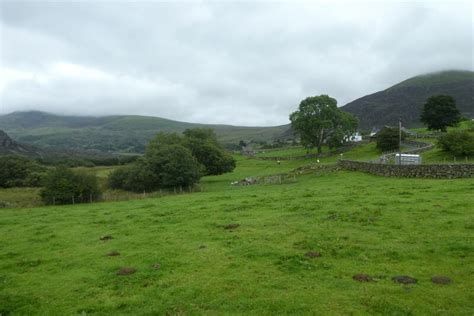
(53, 262)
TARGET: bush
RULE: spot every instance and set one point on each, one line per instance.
(173, 166)
(136, 177)
(388, 139)
(18, 171)
(64, 186)
(458, 143)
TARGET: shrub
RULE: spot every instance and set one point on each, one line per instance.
(64, 186)
(458, 143)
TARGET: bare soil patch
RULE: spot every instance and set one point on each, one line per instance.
(231, 226)
(126, 271)
(113, 254)
(362, 278)
(313, 254)
(403, 279)
(441, 279)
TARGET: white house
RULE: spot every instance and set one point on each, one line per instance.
(356, 137)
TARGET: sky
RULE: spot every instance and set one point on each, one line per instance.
(242, 62)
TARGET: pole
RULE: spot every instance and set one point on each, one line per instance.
(400, 142)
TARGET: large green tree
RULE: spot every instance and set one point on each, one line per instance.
(173, 160)
(318, 120)
(439, 112)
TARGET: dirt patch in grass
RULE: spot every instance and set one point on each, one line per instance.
(403, 279)
(231, 226)
(113, 254)
(106, 237)
(441, 279)
(362, 278)
(156, 266)
(126, 271)
(313, 254)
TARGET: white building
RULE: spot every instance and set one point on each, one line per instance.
(356, 137)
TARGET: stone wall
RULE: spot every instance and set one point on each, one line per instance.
(440, 171)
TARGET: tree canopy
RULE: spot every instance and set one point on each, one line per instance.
(318, 120)
(439, 112)
(18, 171)
(173, 160)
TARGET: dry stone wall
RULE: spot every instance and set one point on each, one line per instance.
(440, 171)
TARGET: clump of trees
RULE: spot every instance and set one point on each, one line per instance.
(458, 143)
(319, 121)
(439, 112)
(173, 160)
(388, 139)
(64, 186)
(18, 171)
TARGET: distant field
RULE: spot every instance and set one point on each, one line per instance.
(188, 261)
(466, 125)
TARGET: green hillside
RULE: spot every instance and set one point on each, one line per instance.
(291, 248)
(405, 100)
(114, 133)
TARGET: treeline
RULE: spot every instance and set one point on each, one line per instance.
(170, 160)
(88, 161)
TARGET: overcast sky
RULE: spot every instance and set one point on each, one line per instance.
(241, 63)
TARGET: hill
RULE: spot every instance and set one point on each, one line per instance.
(9, 146)
(405, 100)
(115, 133)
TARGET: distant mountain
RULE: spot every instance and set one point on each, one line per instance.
(128, 133)
(9, 146)
(405, 100)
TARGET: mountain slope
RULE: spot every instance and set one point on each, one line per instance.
(114, 133)
(405, 100)
(9, 146)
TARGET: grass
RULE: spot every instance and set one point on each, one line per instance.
(465, 125)
(437, 156)
(297, 151)
(52, 261)
(19, 197)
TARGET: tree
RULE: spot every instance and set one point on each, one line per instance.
(318, 119)
(439, 112)
(64, 186)
(204, 146)
(389, 138)
(173, 166)
(458, 143)
(18, 171)
(172, 160)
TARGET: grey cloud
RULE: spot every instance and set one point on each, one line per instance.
(247, 63)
